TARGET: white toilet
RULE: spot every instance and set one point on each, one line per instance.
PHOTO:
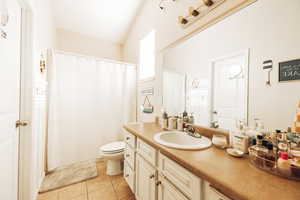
(114, 154)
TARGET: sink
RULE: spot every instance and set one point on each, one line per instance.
(181, 140)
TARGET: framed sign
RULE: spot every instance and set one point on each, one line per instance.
(289, 70)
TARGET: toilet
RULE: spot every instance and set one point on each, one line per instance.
(114, 154)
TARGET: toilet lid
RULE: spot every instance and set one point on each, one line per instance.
(113, 147)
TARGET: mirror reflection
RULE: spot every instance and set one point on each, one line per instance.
(216, 94)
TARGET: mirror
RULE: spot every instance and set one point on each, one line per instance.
(225, 62)
(216, 93)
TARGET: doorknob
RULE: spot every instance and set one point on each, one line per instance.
(21, 123)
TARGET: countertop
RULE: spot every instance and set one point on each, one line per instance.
(234, 177)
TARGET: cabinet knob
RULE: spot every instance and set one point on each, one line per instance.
(152, 176)
(158, 183)
(127, 175)
(127, 155)
(127, 138)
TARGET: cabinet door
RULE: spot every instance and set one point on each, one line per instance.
(145, 180)
(212, 194)
(167, 191)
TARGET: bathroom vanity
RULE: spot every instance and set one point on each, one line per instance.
(156, 172)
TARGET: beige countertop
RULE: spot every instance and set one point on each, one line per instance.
(234, 177)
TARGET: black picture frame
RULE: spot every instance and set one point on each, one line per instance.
(289, 71)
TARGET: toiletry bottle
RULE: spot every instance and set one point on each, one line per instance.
(185, 117)
(283, 164)
(283, 144)
(270, 157)
(172, 123)
(165, 120)
(261, 150)
(191, 119)
(256, 153)
(180, 124)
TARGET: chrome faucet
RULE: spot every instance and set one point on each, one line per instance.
(190, 130)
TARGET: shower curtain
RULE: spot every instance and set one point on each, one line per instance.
(89, 101)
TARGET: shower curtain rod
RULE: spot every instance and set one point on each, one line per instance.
(92, 57)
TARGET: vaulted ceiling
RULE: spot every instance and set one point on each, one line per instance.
(108, 20)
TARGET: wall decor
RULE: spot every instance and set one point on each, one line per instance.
(289, 70)
(268, 66)
(147, 108)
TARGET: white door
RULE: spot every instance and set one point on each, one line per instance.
(230, 90)
(167, 191)
(9, 102)
(145, 180)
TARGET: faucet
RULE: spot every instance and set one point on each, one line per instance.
(214, 124)
(190, 130)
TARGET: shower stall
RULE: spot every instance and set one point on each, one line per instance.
(89, 101)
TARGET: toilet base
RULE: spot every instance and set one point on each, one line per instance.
(114, 167)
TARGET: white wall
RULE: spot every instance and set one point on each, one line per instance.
(87, 45)
(269, 28)
(42, 37)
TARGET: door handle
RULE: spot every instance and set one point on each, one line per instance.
(21, 123)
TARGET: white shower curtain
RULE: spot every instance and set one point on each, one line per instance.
(89, 101)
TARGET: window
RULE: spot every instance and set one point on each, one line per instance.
(147, 56)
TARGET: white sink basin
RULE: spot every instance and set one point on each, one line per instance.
(181, 140)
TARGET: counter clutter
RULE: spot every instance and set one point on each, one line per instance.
(233, 177)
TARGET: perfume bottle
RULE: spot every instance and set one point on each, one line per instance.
(270, 157)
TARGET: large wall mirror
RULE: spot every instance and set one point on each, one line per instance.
(223, 65)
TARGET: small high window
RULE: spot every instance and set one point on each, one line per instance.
(147, 57)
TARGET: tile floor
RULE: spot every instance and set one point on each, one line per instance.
(102, 187)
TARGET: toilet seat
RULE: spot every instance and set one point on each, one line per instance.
(113, 148)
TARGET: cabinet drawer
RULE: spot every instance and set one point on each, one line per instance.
(188, 183)
(129, 176)
(129, 156)
(130, 139)
(146, 151)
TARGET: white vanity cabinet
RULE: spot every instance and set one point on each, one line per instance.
(154, 176)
